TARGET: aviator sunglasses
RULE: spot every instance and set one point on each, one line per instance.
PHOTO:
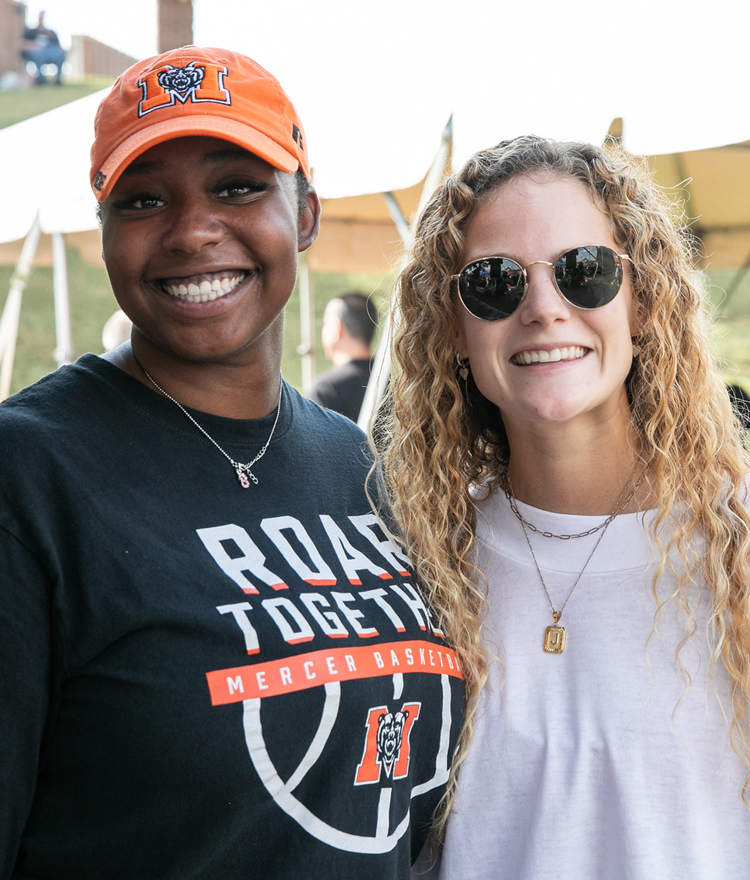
(587, 277)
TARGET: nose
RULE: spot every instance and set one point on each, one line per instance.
(543, 302)
(192, 225)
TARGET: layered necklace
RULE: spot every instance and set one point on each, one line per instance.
(555, 635)
(242, 469)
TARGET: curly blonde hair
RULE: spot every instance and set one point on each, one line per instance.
(441, 437)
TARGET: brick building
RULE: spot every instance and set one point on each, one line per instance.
(86, 56)
(12, 23)
(89, 57)
(175, 23)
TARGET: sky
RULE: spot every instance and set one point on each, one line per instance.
(375, 82)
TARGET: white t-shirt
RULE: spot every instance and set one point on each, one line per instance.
(599, 763)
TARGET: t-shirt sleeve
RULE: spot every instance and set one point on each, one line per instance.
(24, 687)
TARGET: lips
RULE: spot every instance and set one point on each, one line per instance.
(542, 356)
(203, 288)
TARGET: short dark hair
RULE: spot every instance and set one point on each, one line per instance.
(358, 314)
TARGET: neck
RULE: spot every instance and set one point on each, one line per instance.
(227, 390)
(350, 350)
(564, 472)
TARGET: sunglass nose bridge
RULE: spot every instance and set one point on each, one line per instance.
(538, 263)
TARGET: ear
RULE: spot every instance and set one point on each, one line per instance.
(309, 221)
(337, 329)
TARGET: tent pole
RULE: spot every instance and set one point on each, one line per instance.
(381, 370)
(63, 353)
(12, 312)
(397, 215)
(736, 280)
(306, 348)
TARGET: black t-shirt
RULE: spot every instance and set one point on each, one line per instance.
(342, 388)
(201, 680)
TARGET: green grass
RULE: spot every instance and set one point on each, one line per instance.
(732, 330)
(92, 302)
(20, 104)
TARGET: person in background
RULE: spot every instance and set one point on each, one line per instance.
(116, 330)
(215, 663)
(572, 490)
(349, 323)
(42, 46)
(740, 404)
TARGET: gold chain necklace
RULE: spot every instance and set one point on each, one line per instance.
(602, 525)
(555, 636)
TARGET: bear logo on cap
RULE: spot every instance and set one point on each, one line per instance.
(181, 80)
(198, 81)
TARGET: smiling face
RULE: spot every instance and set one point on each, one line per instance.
(548, 363)
(200, 239)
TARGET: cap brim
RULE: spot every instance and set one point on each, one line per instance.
(199, 126)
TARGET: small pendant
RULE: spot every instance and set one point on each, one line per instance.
(554, 638)
(244, 475)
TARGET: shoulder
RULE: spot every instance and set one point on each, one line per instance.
(81, 405)
(52, 399)
(325, 385)
(356, 371)
(325, 424)
(327, 450)
(323, 379)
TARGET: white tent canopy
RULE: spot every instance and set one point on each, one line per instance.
(375, 87)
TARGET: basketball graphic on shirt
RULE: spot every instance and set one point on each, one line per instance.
(387, 829)
(339, 707)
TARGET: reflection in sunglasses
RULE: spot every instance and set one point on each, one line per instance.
(587, 277)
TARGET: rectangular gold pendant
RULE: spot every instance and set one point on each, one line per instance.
(554, 639)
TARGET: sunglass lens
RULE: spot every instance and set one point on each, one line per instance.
(492, 288)
(589, 277)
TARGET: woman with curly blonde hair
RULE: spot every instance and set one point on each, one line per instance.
(569, 481)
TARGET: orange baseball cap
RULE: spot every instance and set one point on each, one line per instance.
(194, 91)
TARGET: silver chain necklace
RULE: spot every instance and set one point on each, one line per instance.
(555, 635)
(243, 470)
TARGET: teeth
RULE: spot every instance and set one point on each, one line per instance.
(208, 289)
(573, 352)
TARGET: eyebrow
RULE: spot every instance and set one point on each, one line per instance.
(216, 157)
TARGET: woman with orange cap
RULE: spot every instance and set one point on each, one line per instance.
(215, 662)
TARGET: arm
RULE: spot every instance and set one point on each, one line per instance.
(25, 652)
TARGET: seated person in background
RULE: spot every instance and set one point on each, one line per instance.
(42, 46)
(349, 324)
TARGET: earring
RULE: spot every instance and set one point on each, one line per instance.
(636, 347)
(463, 367)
